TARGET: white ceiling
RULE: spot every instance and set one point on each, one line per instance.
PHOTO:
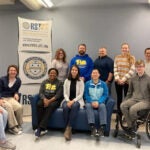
(98, 2)
(7, 2)
(72, 3)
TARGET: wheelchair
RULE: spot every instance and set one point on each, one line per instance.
(144, 118)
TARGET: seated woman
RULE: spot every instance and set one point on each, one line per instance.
(60, 64)
(9, 86)
(3, 121)
(73, 99)
(95, 94)
(138, 96)
(51, 95)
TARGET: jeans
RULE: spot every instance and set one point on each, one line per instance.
(102, 113)
(70, 114)
(3, 122)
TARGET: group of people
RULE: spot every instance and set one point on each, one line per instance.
(88, 84)
(80, 83)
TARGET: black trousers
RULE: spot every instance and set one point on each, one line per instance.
(44, 113)
(121, 91)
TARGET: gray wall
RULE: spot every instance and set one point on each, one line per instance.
(96, 25)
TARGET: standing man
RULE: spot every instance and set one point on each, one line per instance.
(84, 62)
(147, 61)
(105, 65)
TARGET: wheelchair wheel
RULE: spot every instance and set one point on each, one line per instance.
(148, 125)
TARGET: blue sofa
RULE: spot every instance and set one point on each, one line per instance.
(57, 121)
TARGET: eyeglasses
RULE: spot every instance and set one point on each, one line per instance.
(139, 66)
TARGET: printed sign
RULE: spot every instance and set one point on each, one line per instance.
(34, 35)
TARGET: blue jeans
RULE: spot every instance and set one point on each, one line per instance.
(102, 113)
(70, 114)
(3, 122)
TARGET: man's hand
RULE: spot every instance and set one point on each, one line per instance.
(1, 102)
(95, 104)
(16, 97)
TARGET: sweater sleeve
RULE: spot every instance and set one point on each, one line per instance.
(130, 73)
(18, 85)
(59, 92)
(41, 91)
(116, 74)
(81, 90)
(111, 66)
(90, 67)
(53, 63)
(65, 86)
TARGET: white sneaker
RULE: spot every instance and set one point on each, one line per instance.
(44, 132)
(20, 128)
(15, 131)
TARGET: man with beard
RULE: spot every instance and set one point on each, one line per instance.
(84, 62)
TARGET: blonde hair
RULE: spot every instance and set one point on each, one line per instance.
(139, 62)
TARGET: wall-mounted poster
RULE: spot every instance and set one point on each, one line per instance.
(34, 35)
(33, 67)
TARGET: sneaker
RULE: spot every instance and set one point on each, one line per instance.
(7, 145)
(93, 131)
(43, 132)
(20, 128)
(97, 134)
(37, 134)
(101, 132)
(15, 131)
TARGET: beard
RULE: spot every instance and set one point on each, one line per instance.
(81, 52)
